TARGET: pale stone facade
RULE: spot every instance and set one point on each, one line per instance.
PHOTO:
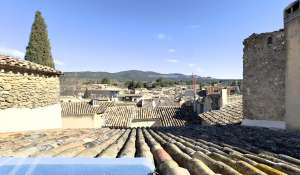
(84, 114)
(27, 91)
(95, 121)
(23, 119)
(292, 91)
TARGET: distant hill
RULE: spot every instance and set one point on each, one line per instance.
(71, 81)
(126, 75)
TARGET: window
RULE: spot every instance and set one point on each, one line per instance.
(270, 40)
(288, 12)
(296, 6)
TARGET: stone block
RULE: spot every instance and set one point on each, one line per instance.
(264, 76)
(20, 90)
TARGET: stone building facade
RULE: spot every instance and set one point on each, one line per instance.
(264, 63)
(29, 91)
(292, 90)
(271, 84)
(84, 114)
(29, 96)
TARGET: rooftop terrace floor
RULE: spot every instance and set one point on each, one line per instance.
(181, 150)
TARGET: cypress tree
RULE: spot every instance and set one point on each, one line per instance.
(86, 94)
(38, 49)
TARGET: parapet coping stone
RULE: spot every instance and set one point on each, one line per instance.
(8, 63)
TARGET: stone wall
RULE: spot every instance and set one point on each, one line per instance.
(28, 91)
(292, 98)
(264, 76)
(234, 99)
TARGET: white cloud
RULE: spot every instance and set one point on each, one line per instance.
(191, 65)
(58, 62)
(171, 50)
(172, 61)
(12, 52)
(194, 26)
(161, 36)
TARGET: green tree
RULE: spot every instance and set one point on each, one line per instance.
(159, 80)
(233, 83)
(130, 84)
(139, 84)
(213, 82)
(86, 94)
(105, 81)
(38, 49)
(188, 82)
(200, 86)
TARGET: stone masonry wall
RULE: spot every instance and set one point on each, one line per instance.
(264, 76)
(27, 91)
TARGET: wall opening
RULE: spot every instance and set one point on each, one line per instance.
(296, 6)
(288, 11)
(270, 40)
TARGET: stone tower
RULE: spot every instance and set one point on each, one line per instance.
(264, 67)
(292, 82)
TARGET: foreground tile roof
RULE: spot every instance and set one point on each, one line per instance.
(122, 116)
(10, 63)
(187, 150)
(83, 108)
(231, 114)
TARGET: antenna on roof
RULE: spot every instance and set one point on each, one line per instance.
(194, 84)
(194, 91)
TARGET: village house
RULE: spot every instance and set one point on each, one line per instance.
(133, 116)
(29, 96)
(130, 97)
(109, 94)
(84, 114)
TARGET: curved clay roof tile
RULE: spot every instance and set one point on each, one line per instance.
(10, 62)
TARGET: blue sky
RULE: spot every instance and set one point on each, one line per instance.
(183, 36)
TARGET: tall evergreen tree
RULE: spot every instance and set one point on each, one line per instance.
(86, 94)
(38, 49)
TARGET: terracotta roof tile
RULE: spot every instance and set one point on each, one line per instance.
(83, 108)
(10, 63)
(122, 116)
(231, 114)
(184, 150)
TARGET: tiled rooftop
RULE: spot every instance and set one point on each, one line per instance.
(146, 113)
(115, 115)
(119, 116)
(7, 62)
(84, 108)
(231, 114)
(175, 116)
(185, 150)
(166, 102)
(122, 116)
